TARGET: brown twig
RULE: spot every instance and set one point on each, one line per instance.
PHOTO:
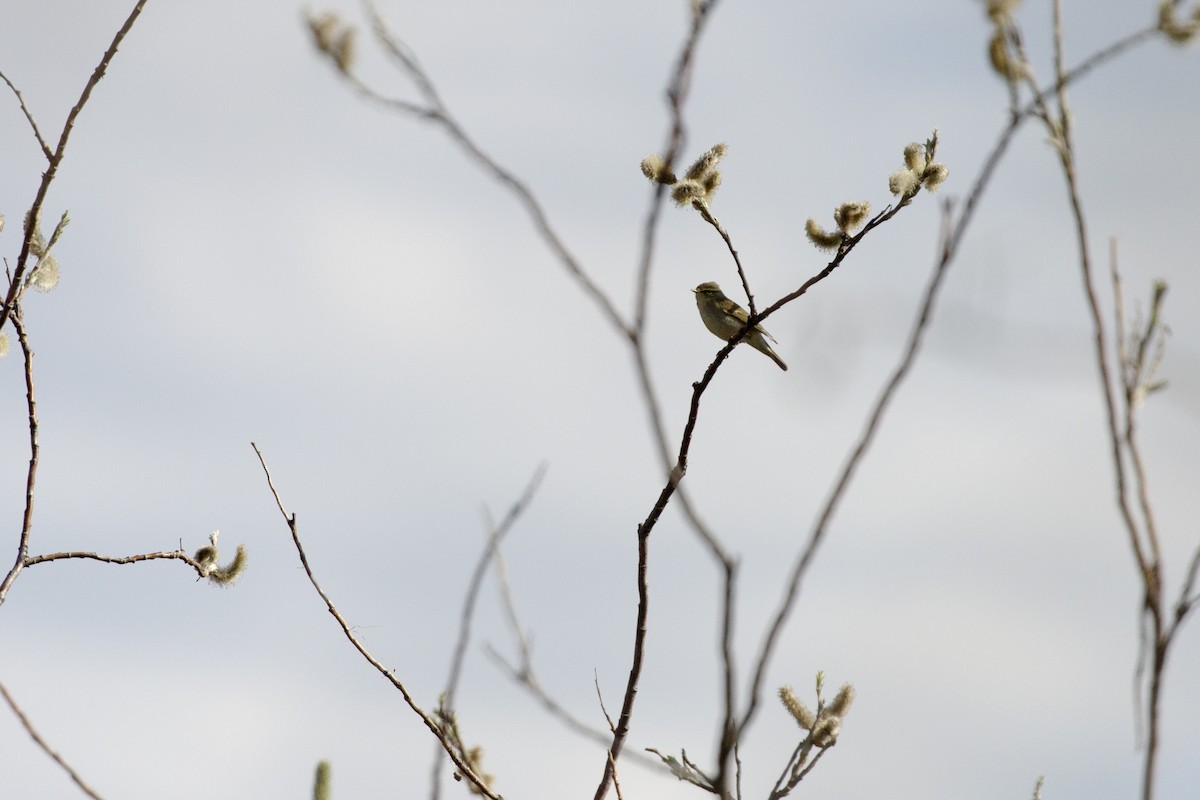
(708, 217)
(387, 673)
(22, 559)
(55, 159)
(37, 134)
(50, 751)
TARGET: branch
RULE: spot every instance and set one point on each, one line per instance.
(952, 239)
(491, 550)
(50, 751)
(34, 451)
(436, 111)
(388, 674)
(56, 159)
(37, 134)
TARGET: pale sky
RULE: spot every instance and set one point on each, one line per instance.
(257, 254)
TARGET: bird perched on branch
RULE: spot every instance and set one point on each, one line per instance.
(725, 318)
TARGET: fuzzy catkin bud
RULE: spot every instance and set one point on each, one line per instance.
(345, 50)
(903, 182)
(706, 162)
(710, 181)
(849, 216)
(842, 701)
(324, 29)
(1176, 31)
(795, 706)
(321, 786)
(914, 157)
(46, 274)
(3, 345)
(226, 575)
(935, 174)
(821, 238)
(686, 191)
(653, 166)
(999, 10)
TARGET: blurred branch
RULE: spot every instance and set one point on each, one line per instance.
(496, 534)
(55, 159)
(432, 109)
(1136, 381)
(50, 751)
(387, 673)
(952, 237)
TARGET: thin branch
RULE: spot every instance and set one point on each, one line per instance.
(524, 676)
(46, 151)
(842, 483)
(50, 751)
(174, 555)
(491, 549)
(496, 534)
(949, 249)
(437, 112)
(1187, 601)
(22, 559)
(678, 89)
(56, 159)
(708, 217)
(387, 673)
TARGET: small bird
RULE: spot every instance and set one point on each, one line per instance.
(725, 318)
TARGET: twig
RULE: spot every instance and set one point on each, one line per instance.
(435, 111)
(842, 483)
(175, 555)
(949, 249)
(50, 751)
(708, 217)
(23, 558)
(32, 123)
(34, 450)
(429, 721)
(496, 534)
(56, 158)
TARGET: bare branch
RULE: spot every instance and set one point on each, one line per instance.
(56, 159)
(387, 673)
(50, 751)
(438, 113)
(32, 123)
(496, 534)
(34, 450)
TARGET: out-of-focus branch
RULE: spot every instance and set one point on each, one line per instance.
(491, 551)
(432, 109)
(1157, 630)
(952, 238)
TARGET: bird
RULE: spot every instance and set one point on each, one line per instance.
(725, 318)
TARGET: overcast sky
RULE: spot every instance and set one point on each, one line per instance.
(256, 254)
